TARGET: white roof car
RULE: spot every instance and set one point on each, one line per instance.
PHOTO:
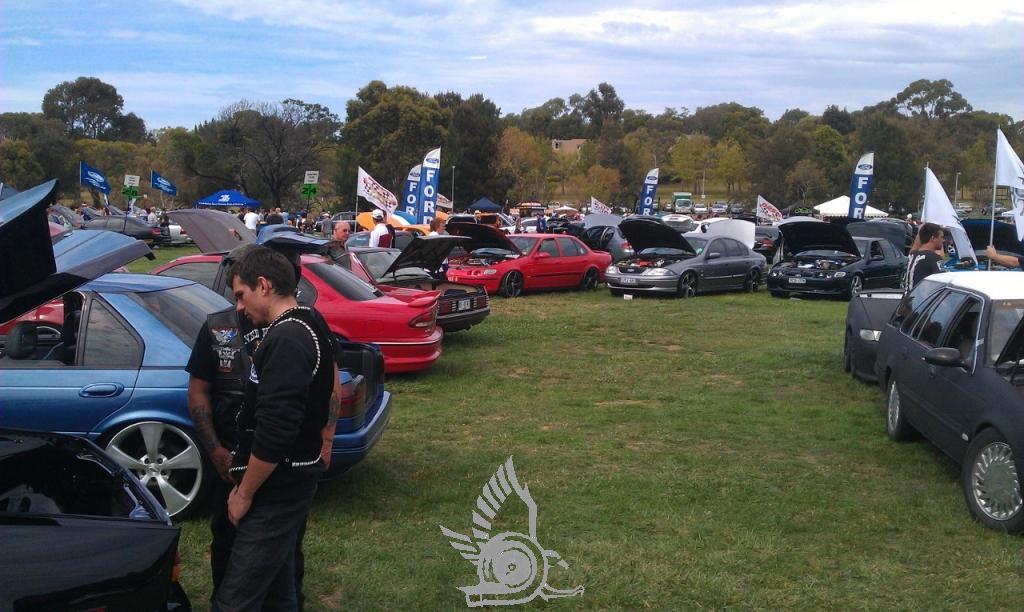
(997, 285)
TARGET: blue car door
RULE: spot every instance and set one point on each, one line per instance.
(95, 377)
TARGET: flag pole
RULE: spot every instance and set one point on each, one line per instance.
(992, 210)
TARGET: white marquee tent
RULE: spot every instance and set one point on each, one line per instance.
(840, 207)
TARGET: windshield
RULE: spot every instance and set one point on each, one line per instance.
(523, 243)
(680, 226)
(1006, 314)
(344, 282)
(182, 309)
(377, 262)
(663, 252)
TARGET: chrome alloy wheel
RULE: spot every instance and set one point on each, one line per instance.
(164, 458)
(994, 482)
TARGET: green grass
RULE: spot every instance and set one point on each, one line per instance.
(704, 453)
(162, 255)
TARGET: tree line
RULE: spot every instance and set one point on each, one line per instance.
(263, 148)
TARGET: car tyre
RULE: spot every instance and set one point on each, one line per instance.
(753, 281)
(856, 286)
(590, 280)
(687, 287)
(896, 425)
(167, 460)
(511, 284)
(991, 484)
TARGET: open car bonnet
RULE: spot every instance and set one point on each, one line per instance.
(648, 234)
(33, 270)
(893, 232)
(595, 220)
(482, 236)
(803, 236)
(213, 231)
(428, 252)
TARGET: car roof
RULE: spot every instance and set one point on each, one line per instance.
(120, 282)
(997, 285)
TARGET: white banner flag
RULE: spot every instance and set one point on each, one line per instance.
(599, 207)
(767, 211)
(375, 193)
(939, 210)
(1010, 173)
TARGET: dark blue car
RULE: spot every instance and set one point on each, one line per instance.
(112, 367)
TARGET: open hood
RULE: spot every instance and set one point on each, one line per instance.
(803, 236)
(482, 236)
(213, 231)
(26, 249)
(741, 231)
(893, 232)
(428, 252)
(288, 239)
(78, 258)
(648, 234)
(596, 219)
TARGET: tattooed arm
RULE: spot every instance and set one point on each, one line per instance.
(201, 410)
(333, 409)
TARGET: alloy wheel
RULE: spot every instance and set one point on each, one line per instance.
(687, 285)
(164, 458)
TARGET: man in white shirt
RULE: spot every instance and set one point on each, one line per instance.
(379, 237)
(251, 219)
(152, 217)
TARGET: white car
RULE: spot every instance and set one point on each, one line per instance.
(700, 209)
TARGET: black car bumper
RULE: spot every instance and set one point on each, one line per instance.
(462, 320)
(809, 285)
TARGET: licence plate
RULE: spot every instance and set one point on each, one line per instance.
(465, 304)
(798, 281)
(628, 280)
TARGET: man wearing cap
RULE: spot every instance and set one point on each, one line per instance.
(380, 236)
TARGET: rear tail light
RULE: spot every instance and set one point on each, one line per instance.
(426, 320)
(176, 571)
(156, 231)
(626, 246)
(353, 397)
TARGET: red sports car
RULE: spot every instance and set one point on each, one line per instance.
(509, 265)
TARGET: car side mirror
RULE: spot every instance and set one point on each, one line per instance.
(543, 255)
(878, 258)
(713, 255)
(943, 356)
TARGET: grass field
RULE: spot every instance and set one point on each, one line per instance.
(684, 454)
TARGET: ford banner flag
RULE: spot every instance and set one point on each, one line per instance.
(860, 186)
(429, 176)
(647, 193)
(411, 192)
(92, 178)
(162, 184)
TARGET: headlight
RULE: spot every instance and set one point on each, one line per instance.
(840, 275)
(611, 270)
(490, 272)
(870, 335)
(657, 272)
(774, 273)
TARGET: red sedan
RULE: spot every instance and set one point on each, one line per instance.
(509, 265)
(405, 327)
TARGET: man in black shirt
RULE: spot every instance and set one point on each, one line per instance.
(925, 260)
(282, 429)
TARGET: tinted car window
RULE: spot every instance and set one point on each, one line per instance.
(876, 249)
(344, 282)
(964, 330)
(735, 249)
(305, 293)
(1006, 314)
(108, 342)
(182, 309)
(914, 301)
(939, 318)
(717, 246)
(569, 247)
(548, 246)
(204, 273)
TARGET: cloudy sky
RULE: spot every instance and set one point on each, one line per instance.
(177, 62)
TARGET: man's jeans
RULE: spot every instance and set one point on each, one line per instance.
(261, 571)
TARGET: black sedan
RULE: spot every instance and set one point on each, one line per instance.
(951, 363)
(79, 532)
(824, 259)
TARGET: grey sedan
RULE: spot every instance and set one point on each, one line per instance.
(668, 263)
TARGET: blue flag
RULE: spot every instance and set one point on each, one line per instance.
(164, 185)
(860, 186)
(411, 193)
(647, 193)
(429, 176)
(92, 178)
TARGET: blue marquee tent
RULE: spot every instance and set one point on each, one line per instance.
(227, 197)
(484, 205)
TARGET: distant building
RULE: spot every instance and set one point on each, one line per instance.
(568, 147)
